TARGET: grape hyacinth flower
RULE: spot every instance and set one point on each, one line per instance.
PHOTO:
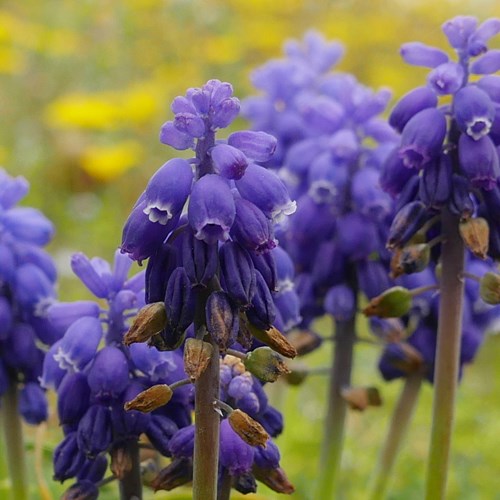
(445, 177)
(206, 226)
(331, 148)
(94, 375)
(27, 288)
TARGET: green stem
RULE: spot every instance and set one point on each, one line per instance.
(447, 357)
(398, 426)
(333, 437)
(14, 443)
(131, 484)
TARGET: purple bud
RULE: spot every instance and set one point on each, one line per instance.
(6, 318)
(181, 444)
(108, 375)
(240, 386)
(225, 112)
(422, 138)
(459, 29)
(79, 344)
(63, 314)
(171, 136)
(487, 29)
(168, 190)
(329, 265)
(259, 146)
(93, 469)
(410, 104)
(263, 188)
(7, 264)
(491, 85)
(234, 454)
(190, 124)
(33, 404)
(160, 267)
(327, 180)
(409, 193)
(435, 183)
(479, 161)
(373, 277)
(222, 320)
(154, 364)
(367, 197)
(21, 352)
(30, 254)
(406, 223)
(262, 311)
(159, 431)
(287, 304)
(68, 459)
(268, 457)
(357, 236)
(29, 225)
(285, 270)
(460, 202)
(395, 175)
(211, 209)
(13, 189)
(83, 268)
(251, 228)
(32, 286)
(82, 490)
(474, 112)
(237, 273)
(344, 146)
(419, 54)
(95, 432)
(52, 373)
(229, 161)
(272, 421)
(447, 78)
(179, 301)
(200, 260)
(486, 64)
(72, 398)
(265, 263)
(340, 302)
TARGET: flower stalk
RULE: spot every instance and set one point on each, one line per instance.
(398, 427)
(447, 357)
(131, 484)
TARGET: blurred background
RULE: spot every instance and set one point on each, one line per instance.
(84, 89)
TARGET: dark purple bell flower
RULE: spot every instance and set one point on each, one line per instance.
(200, 259)
(265, 263)
(234, 454)
(262, 310)
(406, 223)
(357, 236)
(474, 111)
(251, 228)
(228, 161)
(168, 190)
(179, 300)
(410, 104)
(82, 490)
(211, 209)
(259, 146)
(461, 203)
(264, 188)
(108, 376)
(93, 469)
(237, 272)
(181, 444)
(73, 397)
(272, 420)
(95, 433)
(268, 457)
(419, 54)
(436, 182)
(328, 179)
(159, 431)
(479, 161)
(33, 404)
(67, 459)
(422, 138)
(340, 302)
(160, 266)
(395, 175)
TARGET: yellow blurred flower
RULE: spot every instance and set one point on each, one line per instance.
(11, 61)
(105, 163)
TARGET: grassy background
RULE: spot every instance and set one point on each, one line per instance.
(84, 88)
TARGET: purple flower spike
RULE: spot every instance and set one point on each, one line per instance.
(211, 209)
(259, 146)
(474, 112)
(447, 78)
(479, 161)
(251, 227)
(422, 138)
(167, 191)
(487, 63)
(459, 29)
(235, 455)
(419, 54)
(410, 104)
(263, 188)
(229, 161)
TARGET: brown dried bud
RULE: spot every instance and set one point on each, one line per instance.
(304, 341)
(247, 428)
(150, 399)
(177, 473)
(410, 259)
(274, 478)
(410, 361)
(359, 398)
(266, 364)
(150, 321)
(275, 340)
(392, 303)
(489, 288)
(197, 355)
(475, 233)
(121, 461)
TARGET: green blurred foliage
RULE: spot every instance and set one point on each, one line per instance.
(84, 89)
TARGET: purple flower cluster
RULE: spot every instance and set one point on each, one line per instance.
(332, 145)
(27, 288)
(94, 375)
(448, 156)
(243, 462)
